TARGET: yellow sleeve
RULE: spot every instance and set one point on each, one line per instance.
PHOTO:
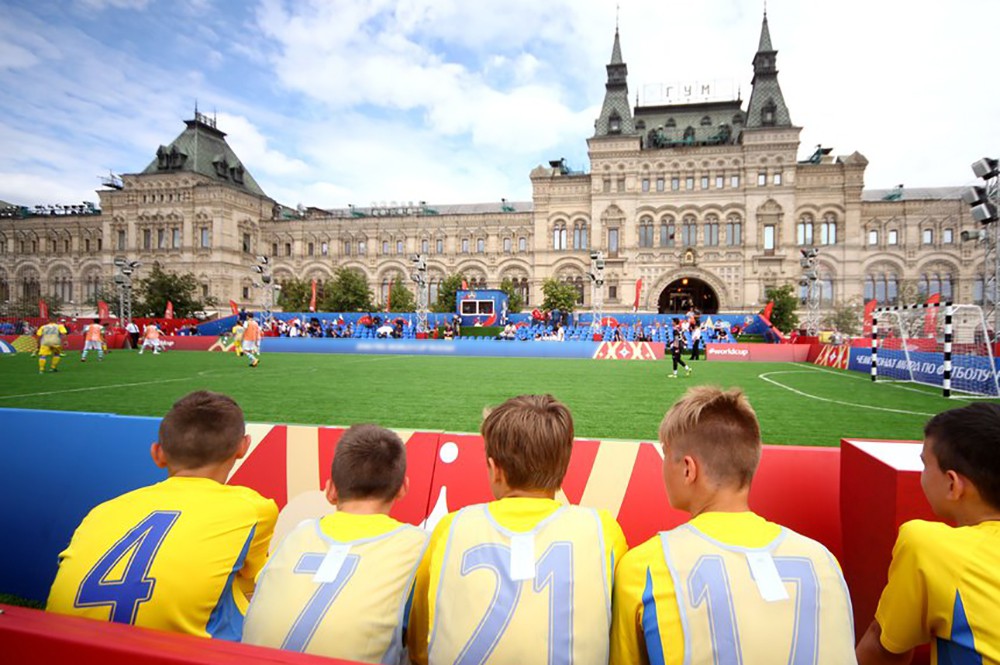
(902, 609)
(38, 333)
(424, 584)
(267, 517)
(627, 643)
(62, 330)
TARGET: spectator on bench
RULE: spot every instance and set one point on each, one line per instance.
(523, 579)
(728, 586)
(339, 586)
(180, 555)
(944, 587)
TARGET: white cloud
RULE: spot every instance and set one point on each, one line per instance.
(100, 5)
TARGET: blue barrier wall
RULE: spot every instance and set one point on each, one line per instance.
(479, 347)
(69, 463)
(968, 372)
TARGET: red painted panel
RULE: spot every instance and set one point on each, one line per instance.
(580, 466)
(645, 510)
(33, 636)
(328, 438)
(264, 469)
(421, 457)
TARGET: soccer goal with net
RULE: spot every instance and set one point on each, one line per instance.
(935, 344)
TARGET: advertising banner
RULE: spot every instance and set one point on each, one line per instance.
(972, 373)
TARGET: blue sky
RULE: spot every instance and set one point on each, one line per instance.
(330, 102)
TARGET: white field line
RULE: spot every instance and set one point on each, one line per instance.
(920, 389)
(764, 377)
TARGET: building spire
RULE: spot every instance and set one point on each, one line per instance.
(616, 116)
(767, 105)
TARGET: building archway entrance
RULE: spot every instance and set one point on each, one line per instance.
(682, 294)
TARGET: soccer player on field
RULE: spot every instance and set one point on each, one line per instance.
(727, 587)
(237, 337)
(340, 586)
(151, 339)
(180, 555)
(523, 579)
(251, 340)
(50, 345)
(93, 340)
(676, 347)
(944, 581)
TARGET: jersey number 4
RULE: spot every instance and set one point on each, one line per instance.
(120, 579)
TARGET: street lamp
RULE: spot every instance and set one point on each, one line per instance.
(596, 275)
(810, 282)
(984, 203)
(423, 295)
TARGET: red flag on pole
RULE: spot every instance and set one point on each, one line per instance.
(169, 313)
(233, 306)
(930, 314)
(638, 290)
(102, 310)
(312, 301)
(767, 310)
(866, 328)
(388, 296)
(43, 309)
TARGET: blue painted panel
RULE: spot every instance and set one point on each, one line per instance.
(414, 347)
(54, 467)
(970, 372)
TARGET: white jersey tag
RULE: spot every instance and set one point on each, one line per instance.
(522, 556)
(332, 562)
(765, 574)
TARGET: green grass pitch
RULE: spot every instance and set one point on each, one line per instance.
(796, 403)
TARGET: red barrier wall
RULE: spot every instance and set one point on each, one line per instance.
(75, 342)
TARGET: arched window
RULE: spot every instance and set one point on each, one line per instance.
(646, 232)
(480, 245)
(668, 231)
(580, 234)
(559, 236)
(689, 232)
(734, 231)
(804, 231)
(882, 287)
(828, 230)
(706, 121)
(671, 123)
(711, 231)
(506, 245)
(689, 134)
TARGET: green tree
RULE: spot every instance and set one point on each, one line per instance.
(447, 291)
(151, 294)
(783, 316)
(845, 317)
(558, 295)
(346, 292)
(295, 295)
(401, 299)
(514, 303)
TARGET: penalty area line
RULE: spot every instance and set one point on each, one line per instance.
(764, 377)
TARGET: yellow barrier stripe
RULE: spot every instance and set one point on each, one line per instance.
(610, 475)
(301, 460)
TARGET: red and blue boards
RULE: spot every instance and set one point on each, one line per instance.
(482, 307)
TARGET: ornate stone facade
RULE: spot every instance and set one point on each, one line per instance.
(704, 202)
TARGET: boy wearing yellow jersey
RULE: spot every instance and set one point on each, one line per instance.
(340, 586)
(523, 579)
(50, 345)
(180, 555)
(728, 586)
(944, 587)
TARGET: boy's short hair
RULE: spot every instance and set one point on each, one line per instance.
(369, 463)
(201, 428)
(720, 428)
(967, 441)
(530, 437)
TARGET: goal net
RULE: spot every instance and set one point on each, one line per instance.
(940, 345)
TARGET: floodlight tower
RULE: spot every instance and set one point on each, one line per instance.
(124, 281)
(596, 288)
(810, 281)
(263, 268)
(423, 296)
(985, 203)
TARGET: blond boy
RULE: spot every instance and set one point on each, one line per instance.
(523, 579)
(728, 586)
(339, 586)
(180, 555)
